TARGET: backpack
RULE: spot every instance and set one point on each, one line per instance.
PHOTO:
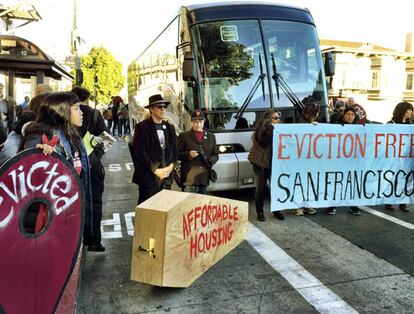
(108, 114)
(123, 110)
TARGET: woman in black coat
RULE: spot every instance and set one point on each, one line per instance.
(260, 156)
(402, 114)
(198, 152)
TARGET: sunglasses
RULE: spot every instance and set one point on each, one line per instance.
(275, 118)
(160, 107)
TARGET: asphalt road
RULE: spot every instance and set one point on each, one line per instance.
(322, 263)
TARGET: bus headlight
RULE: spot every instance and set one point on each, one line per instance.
(222, 148)
(230, 148)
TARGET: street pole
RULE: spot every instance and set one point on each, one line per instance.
(95, 84)
(74, 48)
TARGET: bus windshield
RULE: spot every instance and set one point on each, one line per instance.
(231, 60)
(235, 67)
(293, 52)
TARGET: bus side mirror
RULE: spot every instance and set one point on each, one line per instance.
(329, 64)
(188, 67)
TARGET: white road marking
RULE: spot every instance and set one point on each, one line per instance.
(116, 222)
(313, 290)
(129, 221)
(129, 166)
(388, 217)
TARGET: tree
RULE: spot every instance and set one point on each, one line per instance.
(101, 63)
(225, 58)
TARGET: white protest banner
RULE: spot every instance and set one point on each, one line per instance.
(342, 165)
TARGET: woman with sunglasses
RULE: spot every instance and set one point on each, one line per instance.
(260, 156)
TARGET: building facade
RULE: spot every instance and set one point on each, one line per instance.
(370, 73)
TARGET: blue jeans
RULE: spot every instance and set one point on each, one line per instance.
(200, 189)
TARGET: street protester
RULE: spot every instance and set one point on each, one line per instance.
(309, 115)
(54, 130)
(402, 114)
(348, 117)
(42, 88)
(123, 116)
(5, 114)
(198, 152)
(260, 156)
(93, 125)
(14, 140)
(336, 115)
(3, 135)
(350, 102)
(154, 150)
(116, 101)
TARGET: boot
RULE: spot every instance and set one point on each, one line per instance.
(260, 216)
(279, 215)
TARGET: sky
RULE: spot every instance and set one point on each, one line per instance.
(126, 27)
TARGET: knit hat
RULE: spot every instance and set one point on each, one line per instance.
(349, 108)
(339, 104)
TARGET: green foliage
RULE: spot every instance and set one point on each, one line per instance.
(225, 59)
(100, 62)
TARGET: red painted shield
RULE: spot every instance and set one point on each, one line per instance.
(360, 111)
(41, 223)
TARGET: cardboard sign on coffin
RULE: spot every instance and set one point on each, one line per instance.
(179, 236)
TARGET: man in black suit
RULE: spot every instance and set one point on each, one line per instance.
(155, 150)
(198, 152)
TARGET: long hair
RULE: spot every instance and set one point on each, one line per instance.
(264, 130)
(268, 113)
(36, 102)
(311, 111)
(400, 110)
(117, 100)
(55, 114)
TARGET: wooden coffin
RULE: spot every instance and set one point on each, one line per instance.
(179, 236)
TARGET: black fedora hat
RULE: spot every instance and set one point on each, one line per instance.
(155, 100)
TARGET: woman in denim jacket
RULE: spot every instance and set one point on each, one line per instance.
(54, 130)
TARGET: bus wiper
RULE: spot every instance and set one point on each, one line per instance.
(249, 97)
(279, 81)
(276, 81)
(261, 73)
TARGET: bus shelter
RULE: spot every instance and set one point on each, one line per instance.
(22, 59)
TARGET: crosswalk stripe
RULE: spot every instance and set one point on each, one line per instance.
(388, 217)
(311, 288)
